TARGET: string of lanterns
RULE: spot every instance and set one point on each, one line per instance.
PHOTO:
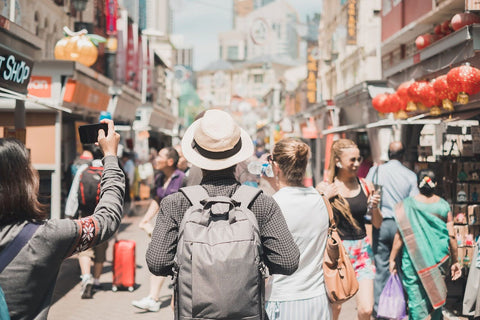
(433, 96)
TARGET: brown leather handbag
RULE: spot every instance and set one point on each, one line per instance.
(340, 280)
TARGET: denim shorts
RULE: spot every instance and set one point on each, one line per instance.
(361, 256)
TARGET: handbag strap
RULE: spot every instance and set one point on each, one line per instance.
(330, 211)
(14, 247)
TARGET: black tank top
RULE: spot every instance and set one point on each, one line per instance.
(358, 208)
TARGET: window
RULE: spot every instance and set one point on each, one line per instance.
(232, 53)
(258, 78)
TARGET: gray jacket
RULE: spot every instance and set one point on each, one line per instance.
(28, 281)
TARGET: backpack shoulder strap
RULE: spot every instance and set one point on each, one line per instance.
(12, 249)
(245, 195)
(195, 193)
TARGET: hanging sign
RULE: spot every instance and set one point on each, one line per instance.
(352, 22)
(111, 16)
(15, 70)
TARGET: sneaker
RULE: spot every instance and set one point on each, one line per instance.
(147, 304)
(87, 287)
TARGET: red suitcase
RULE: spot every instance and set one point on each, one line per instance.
(124, 265)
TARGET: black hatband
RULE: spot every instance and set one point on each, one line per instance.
(217, 155)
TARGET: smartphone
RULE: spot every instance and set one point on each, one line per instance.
(89, 132)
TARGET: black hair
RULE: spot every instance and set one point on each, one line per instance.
(19, 184)
(426, 182)
(173, 154)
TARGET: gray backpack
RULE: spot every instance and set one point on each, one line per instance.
(219, 272)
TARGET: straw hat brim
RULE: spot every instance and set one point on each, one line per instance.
(200, 161)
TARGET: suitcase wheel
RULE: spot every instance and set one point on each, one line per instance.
(114, 288)
(130, 289)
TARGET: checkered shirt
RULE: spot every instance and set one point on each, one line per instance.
(281, 254)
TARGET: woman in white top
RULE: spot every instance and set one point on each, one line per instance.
(301, 295)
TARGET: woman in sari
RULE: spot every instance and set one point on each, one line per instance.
(425, 236)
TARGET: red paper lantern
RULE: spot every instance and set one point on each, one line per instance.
(429, 98)
(402, 92)
(443, 92)
(415, 94)
(425, 40)
(394, 103)
(378, 102)
(464, 80)
(446, 27)
(463, 19)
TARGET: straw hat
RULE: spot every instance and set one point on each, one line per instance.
(216, 142)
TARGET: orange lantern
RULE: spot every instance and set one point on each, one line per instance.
(378, 102)
(464, 80)
(443, 92)
(78, 46)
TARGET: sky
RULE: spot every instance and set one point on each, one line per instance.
(200, 21)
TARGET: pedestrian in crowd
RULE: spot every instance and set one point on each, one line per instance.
(215, 143)
(351, 198)
(302, 293)
(29, 278)
(397, 183)
(426, 239)
(168, 181)
(85, 157)
(74, 209)
(128, 166)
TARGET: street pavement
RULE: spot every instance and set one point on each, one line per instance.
(67, 304)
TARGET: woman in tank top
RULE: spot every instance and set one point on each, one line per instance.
(351, 198)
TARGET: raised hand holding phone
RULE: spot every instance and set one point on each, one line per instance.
(109, 142)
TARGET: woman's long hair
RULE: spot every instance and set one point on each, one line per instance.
(339, 202)
(292, 156)
(19, 184)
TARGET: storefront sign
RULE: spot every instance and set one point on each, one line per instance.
(15, 70)
(40, 87)
(352, 22)
(85, 96)
(312, 67)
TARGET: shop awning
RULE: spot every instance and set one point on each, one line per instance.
(154, 118)
(7, 102)
(355, 103)
(343, 128)
(124, 103)
(85, 91)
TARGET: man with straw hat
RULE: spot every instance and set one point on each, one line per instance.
(215, 143)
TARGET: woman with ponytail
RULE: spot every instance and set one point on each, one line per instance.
(426, 238)
(301, 295)
(351, 199)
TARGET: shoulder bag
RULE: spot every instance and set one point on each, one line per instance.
(340, 280)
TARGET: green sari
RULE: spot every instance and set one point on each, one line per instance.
(425, 255)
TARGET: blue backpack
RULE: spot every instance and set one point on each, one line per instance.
(8, 254)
